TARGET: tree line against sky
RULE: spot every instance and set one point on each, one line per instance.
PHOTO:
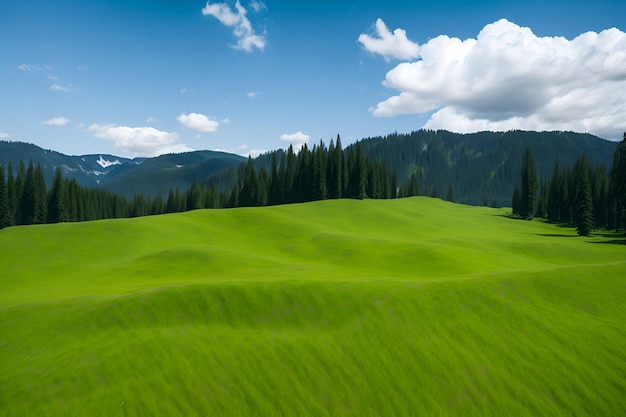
(584, 195)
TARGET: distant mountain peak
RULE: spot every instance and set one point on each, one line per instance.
(105, 164)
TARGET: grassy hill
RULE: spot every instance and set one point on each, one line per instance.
(364, 308)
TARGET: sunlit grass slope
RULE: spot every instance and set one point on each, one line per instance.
(400, 307)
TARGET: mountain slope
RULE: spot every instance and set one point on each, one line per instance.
(483, 165)
(147, 176)
(88, 170)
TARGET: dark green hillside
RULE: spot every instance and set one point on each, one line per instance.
(126, 177)
(159, 175)
(85, 168)
(481, 166)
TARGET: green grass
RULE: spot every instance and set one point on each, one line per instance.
(363, 308)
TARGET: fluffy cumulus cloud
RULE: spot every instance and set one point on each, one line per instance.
(237, 19)
(297, 139)
(390, 45)
(198, 122)
(56, 121)
(139, 141)
(509, 78)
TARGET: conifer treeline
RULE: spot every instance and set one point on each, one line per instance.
(314, 174)
(311, 174)
(25, 199)
(585, 195)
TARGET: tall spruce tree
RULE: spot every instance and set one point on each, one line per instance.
(618, 184)
(57, 201)
(529, 186)
(584, 217)
(12, 202)
(4, 201)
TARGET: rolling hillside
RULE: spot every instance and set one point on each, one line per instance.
(345, 307)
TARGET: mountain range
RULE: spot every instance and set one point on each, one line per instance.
(478, 168)
(124, 176)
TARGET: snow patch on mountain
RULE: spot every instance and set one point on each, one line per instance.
(105, 164)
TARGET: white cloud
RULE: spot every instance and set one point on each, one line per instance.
(28, 67)
(140, 141)
(247, 39)
(297, 139)
(151, 119)
(509, 78)
(199, 122)
(56, 121)
(257, 6)
(4, 135)
(183, 91)
(226, 121)
(57, 87)
(390, 45)
(253, 94)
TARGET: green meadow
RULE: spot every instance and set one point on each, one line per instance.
(345, 307)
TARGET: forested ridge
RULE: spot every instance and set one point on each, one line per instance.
(481, 167)
(365, 169)
(311, 174)
(584, 195)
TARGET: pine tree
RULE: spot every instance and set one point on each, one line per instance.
(28, 197)
(554, 195)
(248, 196)
(394, 184)
(450, 195)
(41, 202)
(517, 201)
(4, 200)
(584, 218)
(57, 201)
(338, 160)
(618, 184)
(529, 186)
(12, 202)
(361, 173)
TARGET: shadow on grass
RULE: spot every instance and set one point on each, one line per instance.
(614, 238)
(612, 242)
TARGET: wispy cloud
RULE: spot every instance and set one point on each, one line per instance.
(253, 94)
(247, 38)
(390, 45)
(28, 67)
(257, 6)
(297, 139)
(58, 87)
(509, 78)
(139, 141)
(198, 122)
(4, 135)
(56, 121)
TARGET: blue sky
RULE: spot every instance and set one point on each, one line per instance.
(140, 78)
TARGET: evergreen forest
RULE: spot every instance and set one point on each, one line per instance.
(585, 195)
